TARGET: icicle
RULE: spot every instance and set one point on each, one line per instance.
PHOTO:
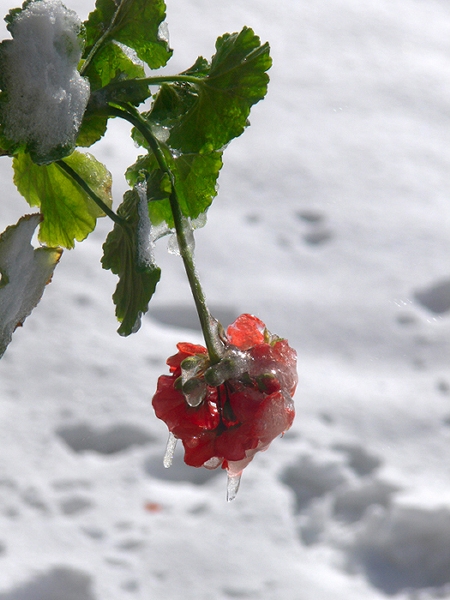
(233, 486)
(170, 449)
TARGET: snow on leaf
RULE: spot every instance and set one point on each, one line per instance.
(25, 271)
(43, 95)
(135, 23)
(122, 254)
(69, 214)
(206, 115)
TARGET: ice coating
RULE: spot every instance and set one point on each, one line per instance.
(46, 95)
(233, 364)
(226, 412)
(173, 246)
(189, 226)
(194, 389)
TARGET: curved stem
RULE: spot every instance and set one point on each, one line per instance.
(209, 333)
(98, 201)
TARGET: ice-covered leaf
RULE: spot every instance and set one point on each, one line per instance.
(43, 96)
(195, 181)
(24, 273)
(205, 115)
(113, 61)
(69, 213)
(125, 253)
(135, 23)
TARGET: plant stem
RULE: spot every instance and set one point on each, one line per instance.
(156, 80)
(98, 201)
(206, 321)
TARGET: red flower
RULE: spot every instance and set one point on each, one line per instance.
(225, 413)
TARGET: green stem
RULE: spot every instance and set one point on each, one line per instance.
(170, 79)
(156, 80)
(209, 332)
(98, 201)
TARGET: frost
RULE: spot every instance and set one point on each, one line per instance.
(45, 95)
(24, 275)
(143, 233)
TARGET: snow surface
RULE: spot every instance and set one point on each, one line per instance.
(333, 226)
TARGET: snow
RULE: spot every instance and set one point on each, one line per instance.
(47, 96)
(332, 225)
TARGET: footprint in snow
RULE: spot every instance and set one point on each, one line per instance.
(316, 233)
(404, 549)
(56, 584)
(83, 437)
(435, 297)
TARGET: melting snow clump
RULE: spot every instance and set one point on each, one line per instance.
(45, 95)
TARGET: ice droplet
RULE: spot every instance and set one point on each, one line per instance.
(233, 482)
(196, 396)
(170, 449)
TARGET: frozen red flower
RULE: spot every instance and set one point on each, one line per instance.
(226, 412)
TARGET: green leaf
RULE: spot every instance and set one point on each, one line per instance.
(24, 273)
(68, 212)
(93, 128)
(195, 181)
(135, 23)
(111, 67)
(110, 63)
(122, 254)
(206, 115)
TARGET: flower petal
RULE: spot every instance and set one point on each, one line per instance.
(247, 331)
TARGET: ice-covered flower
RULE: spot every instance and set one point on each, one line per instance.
(44, 96)
(225, 413)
